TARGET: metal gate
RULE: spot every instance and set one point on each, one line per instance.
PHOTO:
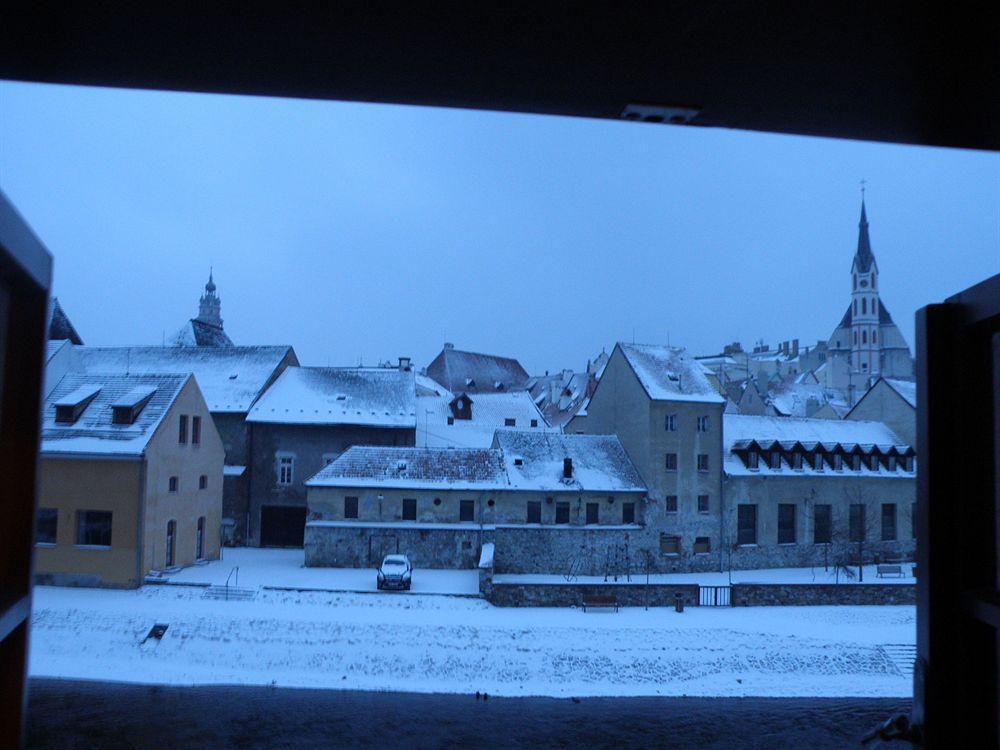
(714, 596)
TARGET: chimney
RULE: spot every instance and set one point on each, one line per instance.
(448, 345)
(795, 347)
(567, 468)
(404, 364)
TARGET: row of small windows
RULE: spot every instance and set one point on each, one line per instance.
(174, 483)
(670, 504)
(670, 423)
(823, 528)
(94, 527)
(864, 336)
(670, 544)
(507, 422)
(864, 305)
(820, 460)
(670, 462)
(533, 514)
(182, 430)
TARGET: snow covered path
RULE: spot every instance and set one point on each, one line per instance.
(447, 644)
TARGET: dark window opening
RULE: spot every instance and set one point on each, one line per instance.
(628, 512)
(409, 509)
(746, 524)
(670, 504)
(702, 545)
(670, 462)
(172, 484)
(534, 511)
(562, 512)
(202, 482)
(822, 524)
(888, 522)
(786, 523)
(350, 507)
(670, 544)
(46, 526)
(702, 462)
(94, 528)
(857, 522)
(182, 429)
(703, 503)
(592, 512)
(195, 430)
(467, 510)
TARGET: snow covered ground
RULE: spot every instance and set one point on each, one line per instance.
(456, 644)
(284, 568)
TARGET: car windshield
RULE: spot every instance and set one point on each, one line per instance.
(393, 564)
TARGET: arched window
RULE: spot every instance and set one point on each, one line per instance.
(864, 305)
(855, 281)
(874, 336)
(199, 539)
(855, 337)
(171, 536)
(855, 307)
(864, 337)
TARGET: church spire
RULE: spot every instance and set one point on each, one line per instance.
(210, 306)
(863, 258)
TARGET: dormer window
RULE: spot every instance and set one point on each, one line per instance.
(775, 459)
(797, 461)
(838, 462)
(891, 463)
(518, 462)
(818, 462)
(856, 462)
(908, 463)
(752, 458)
(126, 409)
(73, 404)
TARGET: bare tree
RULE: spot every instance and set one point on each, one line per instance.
(854, 545)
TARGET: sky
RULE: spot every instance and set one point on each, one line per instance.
(359, 233)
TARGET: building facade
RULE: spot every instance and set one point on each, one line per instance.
(893, 402)
(130, 480)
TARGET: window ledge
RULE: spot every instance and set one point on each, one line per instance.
(748, 546)
(93, 546)
(45, 545)
(671, 554)
(788, 544)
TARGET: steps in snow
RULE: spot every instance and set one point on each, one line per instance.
(902, 655)
(231, 593)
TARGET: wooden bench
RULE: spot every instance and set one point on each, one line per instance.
(882, 571)
(600, 602)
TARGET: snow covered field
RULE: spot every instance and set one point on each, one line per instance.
(455, 644)
(284, 568)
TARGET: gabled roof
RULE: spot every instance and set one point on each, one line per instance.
(534, 461)
(905, 388)
(863, 257)
(475, 373)
(94, 433)
(374, 396)
(490, 411)
(231, 378)
(669, 373)
(199, 333)
(431, 468)
(884, 318)
(60, 326)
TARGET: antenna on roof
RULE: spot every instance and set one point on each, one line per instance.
(633, 334)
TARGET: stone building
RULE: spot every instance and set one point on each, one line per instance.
(304, 421)
(814, 491)
(472, 372)
(549, 503)
(668, 416)
(130, 479)
(231, 378)
(893, 402)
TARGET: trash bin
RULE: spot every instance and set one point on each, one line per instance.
(679, 602)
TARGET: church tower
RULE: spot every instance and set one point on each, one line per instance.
(210, 306)
(865, 305)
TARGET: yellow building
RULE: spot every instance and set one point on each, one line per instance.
(130, 479)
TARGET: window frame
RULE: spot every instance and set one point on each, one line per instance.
(280, 457)
(783, 529)
(827, 524)
(195, 430)
(893, 518)
(349, 501)
(182, 429)
(562, 510)
(667, 504)
(408, 509)
(533, 508)
(669, 458)
(704, 508)
(466, 508)
(81, 541)
(742, 530)
(596, 508)
(53, 514)
(628, 512)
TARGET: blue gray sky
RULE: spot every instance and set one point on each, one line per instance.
(360, 232)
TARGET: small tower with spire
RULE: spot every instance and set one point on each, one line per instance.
(210, 306)
(865, 305)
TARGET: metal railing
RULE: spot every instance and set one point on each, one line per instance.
(714, 596)
(236, 583)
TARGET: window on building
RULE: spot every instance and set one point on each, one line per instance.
(857, 522)
(171, 542)
(509, 422)
(182, 429)
(838, 462)
(562, 512)
(888, 522)
(203, 482)
(46, 526)
(822, 524)
(797, 461)
(670, 423)
(864, 337)
(891, 463)
(534, 511)
(908, 463)
(451, 420)
(93, 528)
(874, 337)
(534, 423)
(593, 509)
(467, 510)
(670, 506)
(873, 462)
(286, 470)
(702, 462)
(172, 484)
(195, 430)
(864, 305)
(703, 503)
(856, 462)
(702, 545)
(670, 544)
(752, 459)
(409, 509)
(786, 523)
(855, 312)
(818, 463)
(670, 462)
(199, 539)
(628, 512)
(746, 524)
(775, 459)
(350, 507)
(703, 424)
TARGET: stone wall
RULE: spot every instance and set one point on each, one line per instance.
(811, 594)
(573, 594)
(583, 550)
(348, 545)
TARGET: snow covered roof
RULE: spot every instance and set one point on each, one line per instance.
(535, 461)
(475, 373)
(230, 377)
(559, 397)
(377, 396)
(490, 411)
(669, 373)
(740, 431)
(792, 399)
(426, 468)
(905, 388)
(94, 432)
(60, 326)
(53, 346)
(199, 333)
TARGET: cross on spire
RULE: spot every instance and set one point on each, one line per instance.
(863, 190)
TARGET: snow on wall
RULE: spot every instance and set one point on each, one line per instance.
(375, 396)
